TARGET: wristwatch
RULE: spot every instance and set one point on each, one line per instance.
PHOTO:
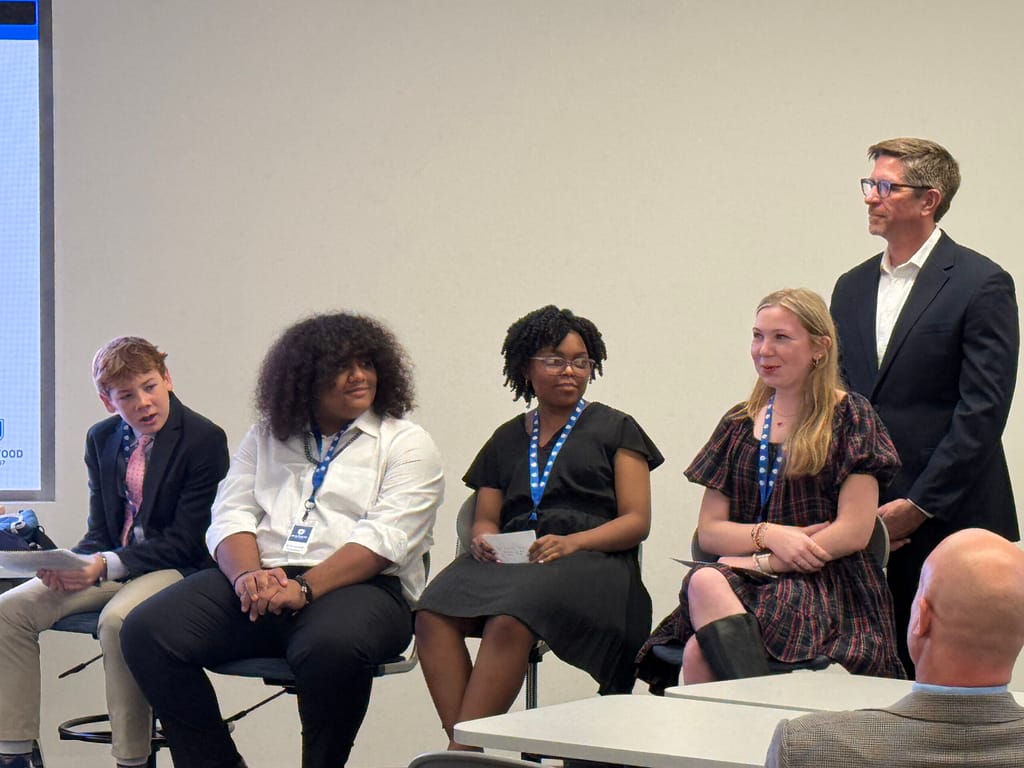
(307, 591)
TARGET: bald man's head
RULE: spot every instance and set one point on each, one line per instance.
(969, 608)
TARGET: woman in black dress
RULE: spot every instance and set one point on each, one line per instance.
(791, 481)
(581, 591)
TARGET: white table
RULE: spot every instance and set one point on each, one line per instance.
(637, 730)
(807, 691)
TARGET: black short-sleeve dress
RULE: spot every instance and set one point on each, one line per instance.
(843, 611)
(591, 608)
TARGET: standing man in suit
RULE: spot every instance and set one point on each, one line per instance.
(153, 473)
(966, 632)
(928, 332)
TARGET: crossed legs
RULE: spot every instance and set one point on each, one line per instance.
(462, 690)
(710, 598)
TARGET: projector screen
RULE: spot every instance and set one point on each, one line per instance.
(26, 252)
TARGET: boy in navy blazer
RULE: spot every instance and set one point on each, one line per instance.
(153, 469)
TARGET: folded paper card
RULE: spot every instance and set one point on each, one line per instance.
(512, 547)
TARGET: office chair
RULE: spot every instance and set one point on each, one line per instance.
(466, 760)
(464, 536)
(82, 728)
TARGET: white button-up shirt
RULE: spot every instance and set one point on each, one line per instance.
(894, 286)
(382, 492)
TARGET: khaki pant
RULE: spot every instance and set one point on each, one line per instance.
(27, 610)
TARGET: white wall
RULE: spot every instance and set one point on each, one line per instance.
(225, 167)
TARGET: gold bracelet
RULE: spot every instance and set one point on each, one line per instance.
(761, 534)
(757, 536)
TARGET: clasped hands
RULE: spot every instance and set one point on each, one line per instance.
(268, 590)
(543, 550)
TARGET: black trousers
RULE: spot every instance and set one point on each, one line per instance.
(333, 647)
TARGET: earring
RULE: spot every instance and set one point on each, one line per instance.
(815, 362)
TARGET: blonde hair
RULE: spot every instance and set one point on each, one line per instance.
(808, 445)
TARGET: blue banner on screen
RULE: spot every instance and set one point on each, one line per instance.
(23, 348)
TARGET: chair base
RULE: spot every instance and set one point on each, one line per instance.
(69, 730)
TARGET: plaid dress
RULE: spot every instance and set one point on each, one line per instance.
(843, 611)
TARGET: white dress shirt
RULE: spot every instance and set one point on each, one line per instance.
(894, 286)
(382, 492)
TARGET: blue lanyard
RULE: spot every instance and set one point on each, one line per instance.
(765, 477)
(539, 482)
(325, 461)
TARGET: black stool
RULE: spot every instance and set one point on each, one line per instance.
(82, 728)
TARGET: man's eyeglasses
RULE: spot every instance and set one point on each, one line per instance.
(884, 187)
(557, 364)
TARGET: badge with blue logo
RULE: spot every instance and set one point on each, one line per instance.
(298, 540)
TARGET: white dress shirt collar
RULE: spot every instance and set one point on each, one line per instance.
(918, 259)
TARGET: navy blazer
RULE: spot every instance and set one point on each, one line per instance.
(188, 459)
(945, 385)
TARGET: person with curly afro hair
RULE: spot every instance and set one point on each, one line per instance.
(581, 591)
(304, 363)
(320, 532)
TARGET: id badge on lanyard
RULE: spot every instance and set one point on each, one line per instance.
(299, 538)
(302, 531)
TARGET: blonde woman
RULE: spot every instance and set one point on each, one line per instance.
(791, 481)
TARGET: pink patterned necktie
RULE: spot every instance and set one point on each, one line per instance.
(133, 477)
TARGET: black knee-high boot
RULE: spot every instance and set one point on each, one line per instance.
(733, 647)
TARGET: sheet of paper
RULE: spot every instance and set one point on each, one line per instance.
(692, 563)
(512, 547)
(28, 562)
(752, 573)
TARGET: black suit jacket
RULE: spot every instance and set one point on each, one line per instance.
(188, 459)
(945, 385)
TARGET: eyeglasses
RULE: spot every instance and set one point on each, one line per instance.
(557, 364)
(884, 187)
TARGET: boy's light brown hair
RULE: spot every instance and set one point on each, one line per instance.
(122, 357)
